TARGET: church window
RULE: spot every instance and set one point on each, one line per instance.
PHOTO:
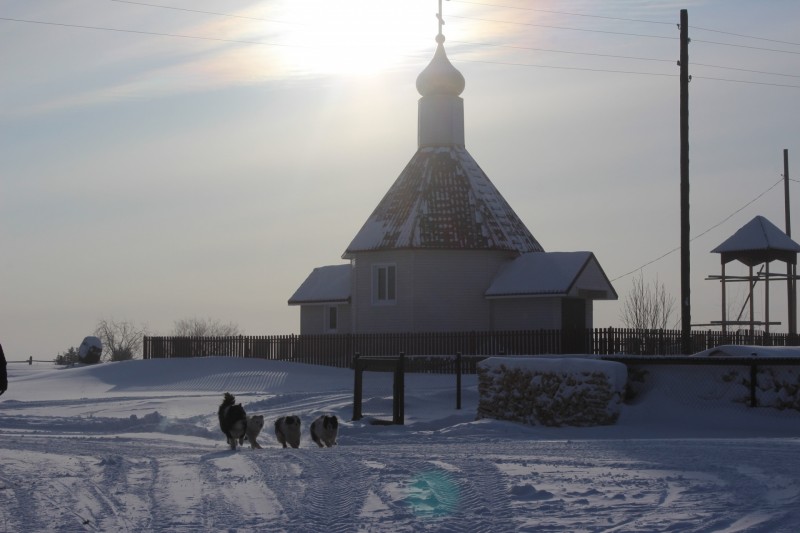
(384, 284)
(331, 318)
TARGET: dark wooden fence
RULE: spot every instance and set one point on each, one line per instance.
(338, 349)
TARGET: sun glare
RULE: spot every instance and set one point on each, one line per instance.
(355, 37)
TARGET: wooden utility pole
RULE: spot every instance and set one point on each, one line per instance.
(686, 308)
(791, 267)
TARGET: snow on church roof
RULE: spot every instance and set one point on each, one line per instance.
(553, 273)
(443, 200)
(325, 284)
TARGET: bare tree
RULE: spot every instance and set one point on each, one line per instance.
(647, 306)
(204, 327)
(121, 340)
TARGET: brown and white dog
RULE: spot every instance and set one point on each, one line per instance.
(232, 420)
(287, 430)
(255, 423)
(324, 430)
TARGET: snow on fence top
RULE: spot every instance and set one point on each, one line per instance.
(751, 351)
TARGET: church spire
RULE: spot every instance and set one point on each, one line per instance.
(441, 110)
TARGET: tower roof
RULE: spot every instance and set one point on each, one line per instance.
(443, 200)
(757, 242)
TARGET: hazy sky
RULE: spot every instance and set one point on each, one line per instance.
(202, 160)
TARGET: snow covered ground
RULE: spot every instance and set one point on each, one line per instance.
(135, 446)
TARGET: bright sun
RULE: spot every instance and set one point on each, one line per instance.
(355, 36)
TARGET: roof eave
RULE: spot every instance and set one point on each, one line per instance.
(319, 302)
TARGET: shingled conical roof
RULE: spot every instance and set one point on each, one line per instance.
(442, 199)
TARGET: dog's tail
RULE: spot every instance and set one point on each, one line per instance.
(229, 399)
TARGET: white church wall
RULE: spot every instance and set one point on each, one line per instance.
(436, 290)
(313, 319)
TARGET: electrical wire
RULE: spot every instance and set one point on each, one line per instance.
(565, 28)
(746, 36)
(621, 19)
(551, 50)
(141, 32)
(747, 81)
(559, 67)
(746, 46)
(746, 70)
(718, 224)
(615, 56)
(562, 12)
(203, 12)
(240, 41)
(585, 69)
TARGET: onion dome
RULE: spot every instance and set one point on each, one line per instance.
(440, 76)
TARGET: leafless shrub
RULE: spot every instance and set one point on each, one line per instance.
(204, 327)
(122, 340)
(647, 306)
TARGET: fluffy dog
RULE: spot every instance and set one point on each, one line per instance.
(324, 430)
(287, 429)
(232, 420)
(255, 423)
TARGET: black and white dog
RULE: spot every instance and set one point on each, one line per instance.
(232, 420)
(287, 430)
(324, 430)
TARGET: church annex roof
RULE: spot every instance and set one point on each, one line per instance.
(327, 284)
(443, 200)
(553, 273)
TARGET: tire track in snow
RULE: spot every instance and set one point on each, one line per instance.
(15, 503)
(445, 489)
(81, 503)
(314, 486)
(235, 492)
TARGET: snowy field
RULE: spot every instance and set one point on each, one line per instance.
(135, 446)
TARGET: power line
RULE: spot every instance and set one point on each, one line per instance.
(747, 81)
(534, 49)
(141, 32)
(615, 56)
(746, 36)
(746, 70)
(563, 13)
(622, 19)
(202, 12)
(241, 41)
(746, 46)
(612, 71)
(557, 67)
(718, 224)
(564, 28)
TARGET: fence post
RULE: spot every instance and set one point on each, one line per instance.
(458, 380)
(357, 387)
(399, 391)
(753, 385)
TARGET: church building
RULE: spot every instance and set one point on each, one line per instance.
(444, 251)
